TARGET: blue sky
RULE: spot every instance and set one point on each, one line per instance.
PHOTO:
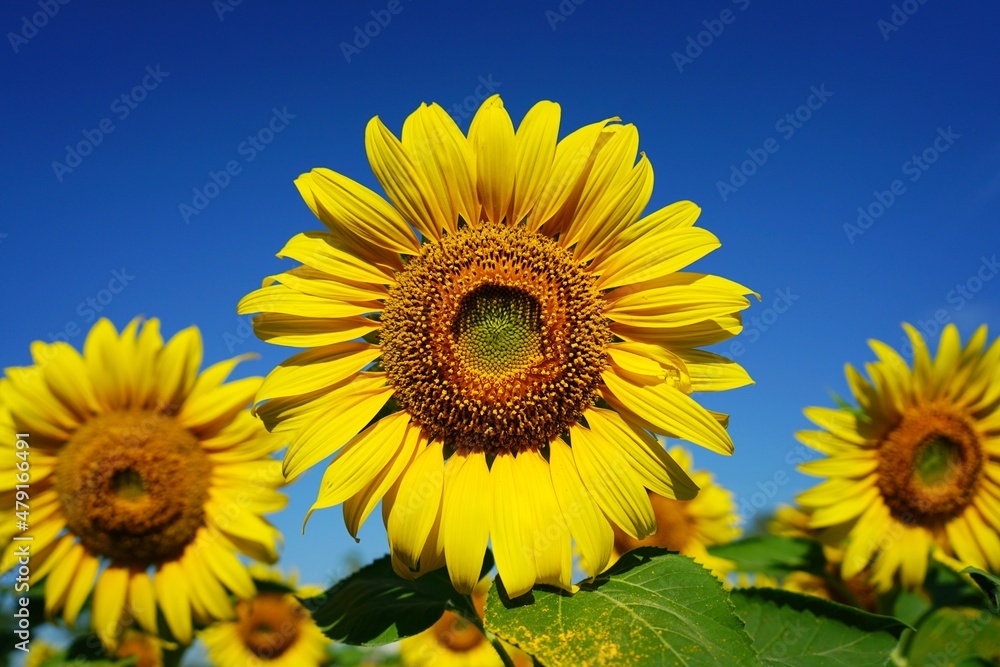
(781, 119)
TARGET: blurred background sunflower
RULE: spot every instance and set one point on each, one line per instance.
(454, 642)
(510, 292)
(147, 478)
(915, 466)
(690, 526)
(270, 627)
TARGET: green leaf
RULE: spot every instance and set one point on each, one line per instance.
(375, 606)
(651, 608)
(794, 629)
(773, 555)
(990, 585)
(952, 636)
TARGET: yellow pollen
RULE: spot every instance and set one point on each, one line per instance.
(494, 339)
(929, 465)
(133, 485)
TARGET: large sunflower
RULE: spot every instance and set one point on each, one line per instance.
(916, 465)
(690, 526)
(271, 628)
(524, 331)
(145, 476)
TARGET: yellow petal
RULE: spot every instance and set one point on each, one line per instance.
(491, 135)
(854, 465)
(312, 281)
(512, 526)
(80, 587)
(403, 181)
(142, 600)
(320, 251)
(226, 566)
(172, 594)
(712, 372)
(609, 478)
(309, 332)
(205, 589)
(573, 157)
(416, 504)
(668, 411)
(550, 533)
(440, 150)
(360, 211)
(675, 300)
(317, 369)
(536, 140)
(465, 518)
(361, 460)
(58, 584)
(635, 190)
(360, 505)
(343, 416)
(846, 510)
(109, 599)
(177, 367)
(700, 334)
(675, 216)
(657, 470)
(591, 530)
(605, 185)
(106, 364)
(66, 374)
(655, 255)
(282, 299)
(841, 423)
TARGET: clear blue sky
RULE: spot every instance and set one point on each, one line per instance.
(885, 96)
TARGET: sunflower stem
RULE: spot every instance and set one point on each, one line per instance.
(498, 647)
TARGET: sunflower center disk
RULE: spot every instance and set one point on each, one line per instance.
(269, 625)
(133, 486)
(929, 466)
(498, 330)
(494, 339)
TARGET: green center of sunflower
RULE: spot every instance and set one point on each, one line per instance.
(133, 485)
(498, 330)
(936, 460)
(929, 465)
(269, 624)
(494, 339)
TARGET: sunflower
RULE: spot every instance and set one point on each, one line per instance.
(690, 526)
(145, 476)
(916, 465)
(270, 628)
(522, 333)
(454, 642)
(145, 649)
